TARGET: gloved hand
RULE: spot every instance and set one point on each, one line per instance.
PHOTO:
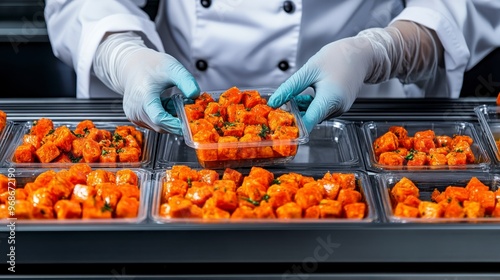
(337, 72)
(124, 64)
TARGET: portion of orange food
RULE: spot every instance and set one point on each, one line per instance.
(474, 200)
(45, 143)
(3, 120)
(424, 148)
(206, 194)
(75, 193)
(239, 121)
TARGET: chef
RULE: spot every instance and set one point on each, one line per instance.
(336, 50)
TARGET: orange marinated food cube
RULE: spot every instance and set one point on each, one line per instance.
(199, 125)
(194, 112)
(264, 212)
(97, 177)
(129, 154)
(25, 153)
(290, 210)
(63, 138)
(204, 99)
(243, 213)
(279, 117)
(47, 152)
(230, 96)
(67, 209)
(83, 192)
(330, 209)
(458, 193)
(3, 120)
(41, 127)
(308, 196)
(428, 209)
(233, 175)
(83, 127)
(406, 211)
(388, 142)
(404, 188)
(473, 209)
(278, 196)
(348, 196)
(174, 188)
(454, 210)
(33, 140)
(127, 207)
(251, 98)
(126, 176)
(355, 210)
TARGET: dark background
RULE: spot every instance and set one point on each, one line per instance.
(28, 68)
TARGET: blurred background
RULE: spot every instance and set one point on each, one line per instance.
(28, 68)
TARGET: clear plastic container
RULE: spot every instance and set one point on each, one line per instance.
(146, 158)
(26, 175)
(489, 121)
(426, 185)
(331, 144)
(372, 130)
(362, 182)
(6, 136)
(202, 149)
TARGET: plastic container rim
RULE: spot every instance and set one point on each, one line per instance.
(264, 92)
(145, 161)
(367, 191)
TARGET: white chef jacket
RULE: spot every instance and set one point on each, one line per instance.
(259, 43)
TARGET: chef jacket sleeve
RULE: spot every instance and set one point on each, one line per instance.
(76, 28)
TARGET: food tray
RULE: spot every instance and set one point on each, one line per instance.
(265, 93)
(489, 121)
(23, 176)
(146, 159)
(331, 144)
(426, 184)
(372, 130)
(362, 181)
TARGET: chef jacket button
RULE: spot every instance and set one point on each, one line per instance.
(201, 65)
(206, 3)
(288, 7)
(283, 65)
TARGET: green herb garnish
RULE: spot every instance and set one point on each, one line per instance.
(264, 131)
(266, 197)
(119, 151)
(51, 131)
(255, 203)
(106, 207)
(78, 135)
(215, 114)
(275, 182)
(229, 124)
(190, 183)
(74, 159)
(409, 156)
(117, 137)
(104, 152)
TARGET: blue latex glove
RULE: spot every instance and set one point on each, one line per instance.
(141, 75)
(337, 72)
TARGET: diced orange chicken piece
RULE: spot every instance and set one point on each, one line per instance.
(67, 209)
(24, 153)
(404, 188)
(355, 210)
(430, 210)
(91, 151)
(405, 211)
(330, 209)
(290, 210)
(127, 207)
(243, 213)
(126, 176)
